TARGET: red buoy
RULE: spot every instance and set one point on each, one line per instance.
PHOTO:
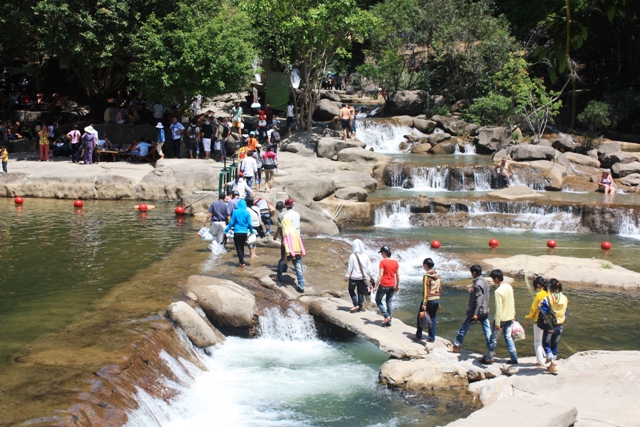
(180, 210)
(435, 244)
(552, 244)
(19, 200)
(142, 207)
(493, 243)
(78, 203)
(605, 246)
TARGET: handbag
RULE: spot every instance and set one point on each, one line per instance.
(251, 238)
(425, 320)
(371, 284)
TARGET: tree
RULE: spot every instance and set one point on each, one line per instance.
(201, 47)
(306, 34)
(596, 117)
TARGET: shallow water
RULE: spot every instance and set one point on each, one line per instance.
(55, 260)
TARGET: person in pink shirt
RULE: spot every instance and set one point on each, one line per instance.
(74, 137)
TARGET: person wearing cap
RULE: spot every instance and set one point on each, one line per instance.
(388, 284)
(89, 142)
(161, 139)
(287, 213)
(235, 198)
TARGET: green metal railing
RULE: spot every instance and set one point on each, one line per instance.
(227, 175)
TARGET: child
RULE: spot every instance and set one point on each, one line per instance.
(5, 158)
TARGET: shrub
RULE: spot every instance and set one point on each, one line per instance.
(596, 117)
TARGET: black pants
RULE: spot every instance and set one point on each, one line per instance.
(176, 146)
(432, 311)
(75, 152)
(360, 286)
(239, 240)
(503, 182)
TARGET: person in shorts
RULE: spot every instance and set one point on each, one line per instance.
(236, 118)
(345, 121)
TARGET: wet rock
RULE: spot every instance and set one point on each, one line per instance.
(352, 193)
(305, 188)
(437, 138)
(581, 159)
(610, 159)
(330, 133)
(403, 120)
(553, 174)
(499, 155)
(330, 147)
(355, 179)
(515, 192)
(326, 110)
(450, 125)
(360, 155)
(563, 144)
(332, 95)
(303, 143)
(422, 374)
(197, 329)
(420, 148)
(471, 129)
(424, 126)
(409, 102)
(524, 152)
(173, 178)
(631, 180)
(314, 222)
(491, 139)
(345, 213)
(445, 147)
(229, 306)
(621, 170)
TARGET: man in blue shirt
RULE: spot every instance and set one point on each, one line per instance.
(161, 139)
(219, 214)
(176, 136)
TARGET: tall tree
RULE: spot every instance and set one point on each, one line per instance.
(306, 34)
(201, 47)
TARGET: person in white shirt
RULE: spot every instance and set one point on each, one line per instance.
(249, 168)
(241, 187)
(289, 116)
(358, 271)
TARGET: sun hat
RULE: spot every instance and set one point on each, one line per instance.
(159, 125)
(89, 129)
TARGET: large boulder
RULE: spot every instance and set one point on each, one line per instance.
(445, 147)
(424, 126)
(331, 95)
(313, 222)
(610, 159)
(409, 102)
(420, 148)
(563, 143)
(450, 124)
(423, 375)
(554, 177)
(621, 170)
(471, 129)
(437, 138)
(491, 139)
(631, 180)
(330, 147)
(583, 160)
(173, 178)
(352, 193)
(605, 149)
(326, 110)
(355, 179)
(302, 143)
(200, 333)
(524, 152)
(305, 188)
(360, 155)
(230, 307)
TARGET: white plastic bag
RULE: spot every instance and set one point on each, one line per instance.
(252, 238)
(203, 230)
(255, 105)
(517, 331)
(205, 233)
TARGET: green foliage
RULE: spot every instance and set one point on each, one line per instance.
(596, 117)
(493, 109)
(307, 34)
(203, 47)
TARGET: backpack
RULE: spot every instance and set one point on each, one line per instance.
(275, 136)
(225, 131)
(549, 321)
(193, 133)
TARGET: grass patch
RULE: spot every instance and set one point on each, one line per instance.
(606, 266)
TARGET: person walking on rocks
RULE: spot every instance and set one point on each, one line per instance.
(236, 119)
(503, 318)
(358, 271)
(270, 166)
(541, 293)
(477, 310)
(554, 304)
(291, 243)
(504, 171)
(431, 288)
(387, 285)
(219, 213)
(161, 139)
(241, 224)
(176, 136)
(352, 121)
(345, 121)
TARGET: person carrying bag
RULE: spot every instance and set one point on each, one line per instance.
(358, 269)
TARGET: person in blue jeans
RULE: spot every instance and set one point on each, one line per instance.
(387, 285)
(431, 288)
(503, 318)
(477, 310)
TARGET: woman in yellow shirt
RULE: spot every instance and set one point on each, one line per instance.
(44, 144)
(540, 286)
(558, 303)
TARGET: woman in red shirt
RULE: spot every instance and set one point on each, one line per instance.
(388, 284)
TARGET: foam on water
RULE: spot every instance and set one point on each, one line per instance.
(398, 217)
(382, 136)
(629, 226)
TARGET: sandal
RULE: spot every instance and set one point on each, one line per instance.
(354, 310)
(453, 348)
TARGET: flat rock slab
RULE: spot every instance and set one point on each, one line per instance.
(515, 192)
(394, 340)
(569, 269)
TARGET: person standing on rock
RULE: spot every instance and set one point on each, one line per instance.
(89, 142)
(540, 286)
(176, 136)
(556, 302)
(352, 121)
(504, 171)
(431, 288)
(161, 139)
(219, 213)
(241, 224)
(345, 121)
(74, 137)
(236, 119)
(290, 116)
(503, 318)
(291, 244)
(270, 166)
(477, 310)
(358, 270)
(388, 284)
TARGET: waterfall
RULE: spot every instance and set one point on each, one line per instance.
(629, 226)
(525, 216)
(431, 179)
(383, 136)
(399, 217)
(482, 180)
(469, 148)
(437, 178)
(535, 185)
(288, 326)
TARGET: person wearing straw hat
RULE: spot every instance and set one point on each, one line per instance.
(89, 142)
(161, 139)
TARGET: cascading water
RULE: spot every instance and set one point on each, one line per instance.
(437, 178)
(482, 180)
(383, 136)
(629, 226)
(395, 216)
(431, 179)
(525, 216)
